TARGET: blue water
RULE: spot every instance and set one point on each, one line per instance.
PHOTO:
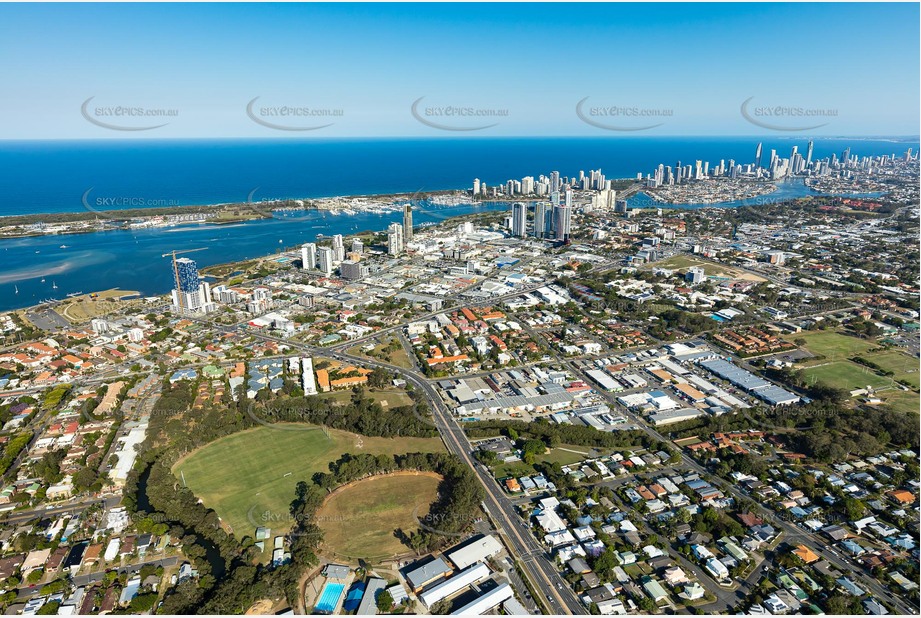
(786, 190)
(53, 176)
(50, 176)
(329, 598)
(132, 259)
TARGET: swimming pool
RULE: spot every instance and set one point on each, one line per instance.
(329, 598)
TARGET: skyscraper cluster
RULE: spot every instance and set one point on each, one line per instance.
(543, 186)
(771, 167)
(550, 220)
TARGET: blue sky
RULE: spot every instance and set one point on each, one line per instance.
(690, 66)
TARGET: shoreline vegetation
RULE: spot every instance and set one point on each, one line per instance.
(92, 220)
(214, 271)
(36, 224)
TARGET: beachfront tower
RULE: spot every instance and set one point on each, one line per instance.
(407, 223)
(519, 219)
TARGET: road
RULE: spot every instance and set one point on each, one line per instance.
(557, 595)
(558, 598)
(819, 546)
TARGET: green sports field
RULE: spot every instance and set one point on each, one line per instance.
(903, 366)
(833, 345)
(845, 374)
(248, 478)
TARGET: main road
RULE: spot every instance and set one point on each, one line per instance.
(558, 597)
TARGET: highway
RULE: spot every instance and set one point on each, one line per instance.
(558, 596)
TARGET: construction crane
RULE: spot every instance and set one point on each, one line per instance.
(174, 253)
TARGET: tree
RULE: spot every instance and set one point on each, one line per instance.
(440, 608)
(384, 601)
(49, 609)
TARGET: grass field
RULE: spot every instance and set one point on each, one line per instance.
(248, 478)
(562, 455)
(845, 374)
(833, 345)
(395, 357)
(79, 309)
(712, 269)
(901, 401)
(903, 366)
(836, 370)
(387, 398)
(360, 521)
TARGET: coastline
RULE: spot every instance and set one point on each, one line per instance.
(230, 265)
(91, 220)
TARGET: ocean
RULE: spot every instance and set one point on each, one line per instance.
(53, 176)
(57, 176)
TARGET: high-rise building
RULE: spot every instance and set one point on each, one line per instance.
(519, 219)
(527, 185)
(562, 220)
(476, 186)
(186, 275)
(309, 256)
(809, 154)
(325, 260)
(758, 155)
(338, 248)
(395, 239)
(358, 246)
(191, 295)
(541, 219)
(407, 223)
(554, 182)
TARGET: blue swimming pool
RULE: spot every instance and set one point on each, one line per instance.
(329, 598)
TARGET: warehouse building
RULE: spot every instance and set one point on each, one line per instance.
(477, 550)
(452, 586)
(486, 602)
